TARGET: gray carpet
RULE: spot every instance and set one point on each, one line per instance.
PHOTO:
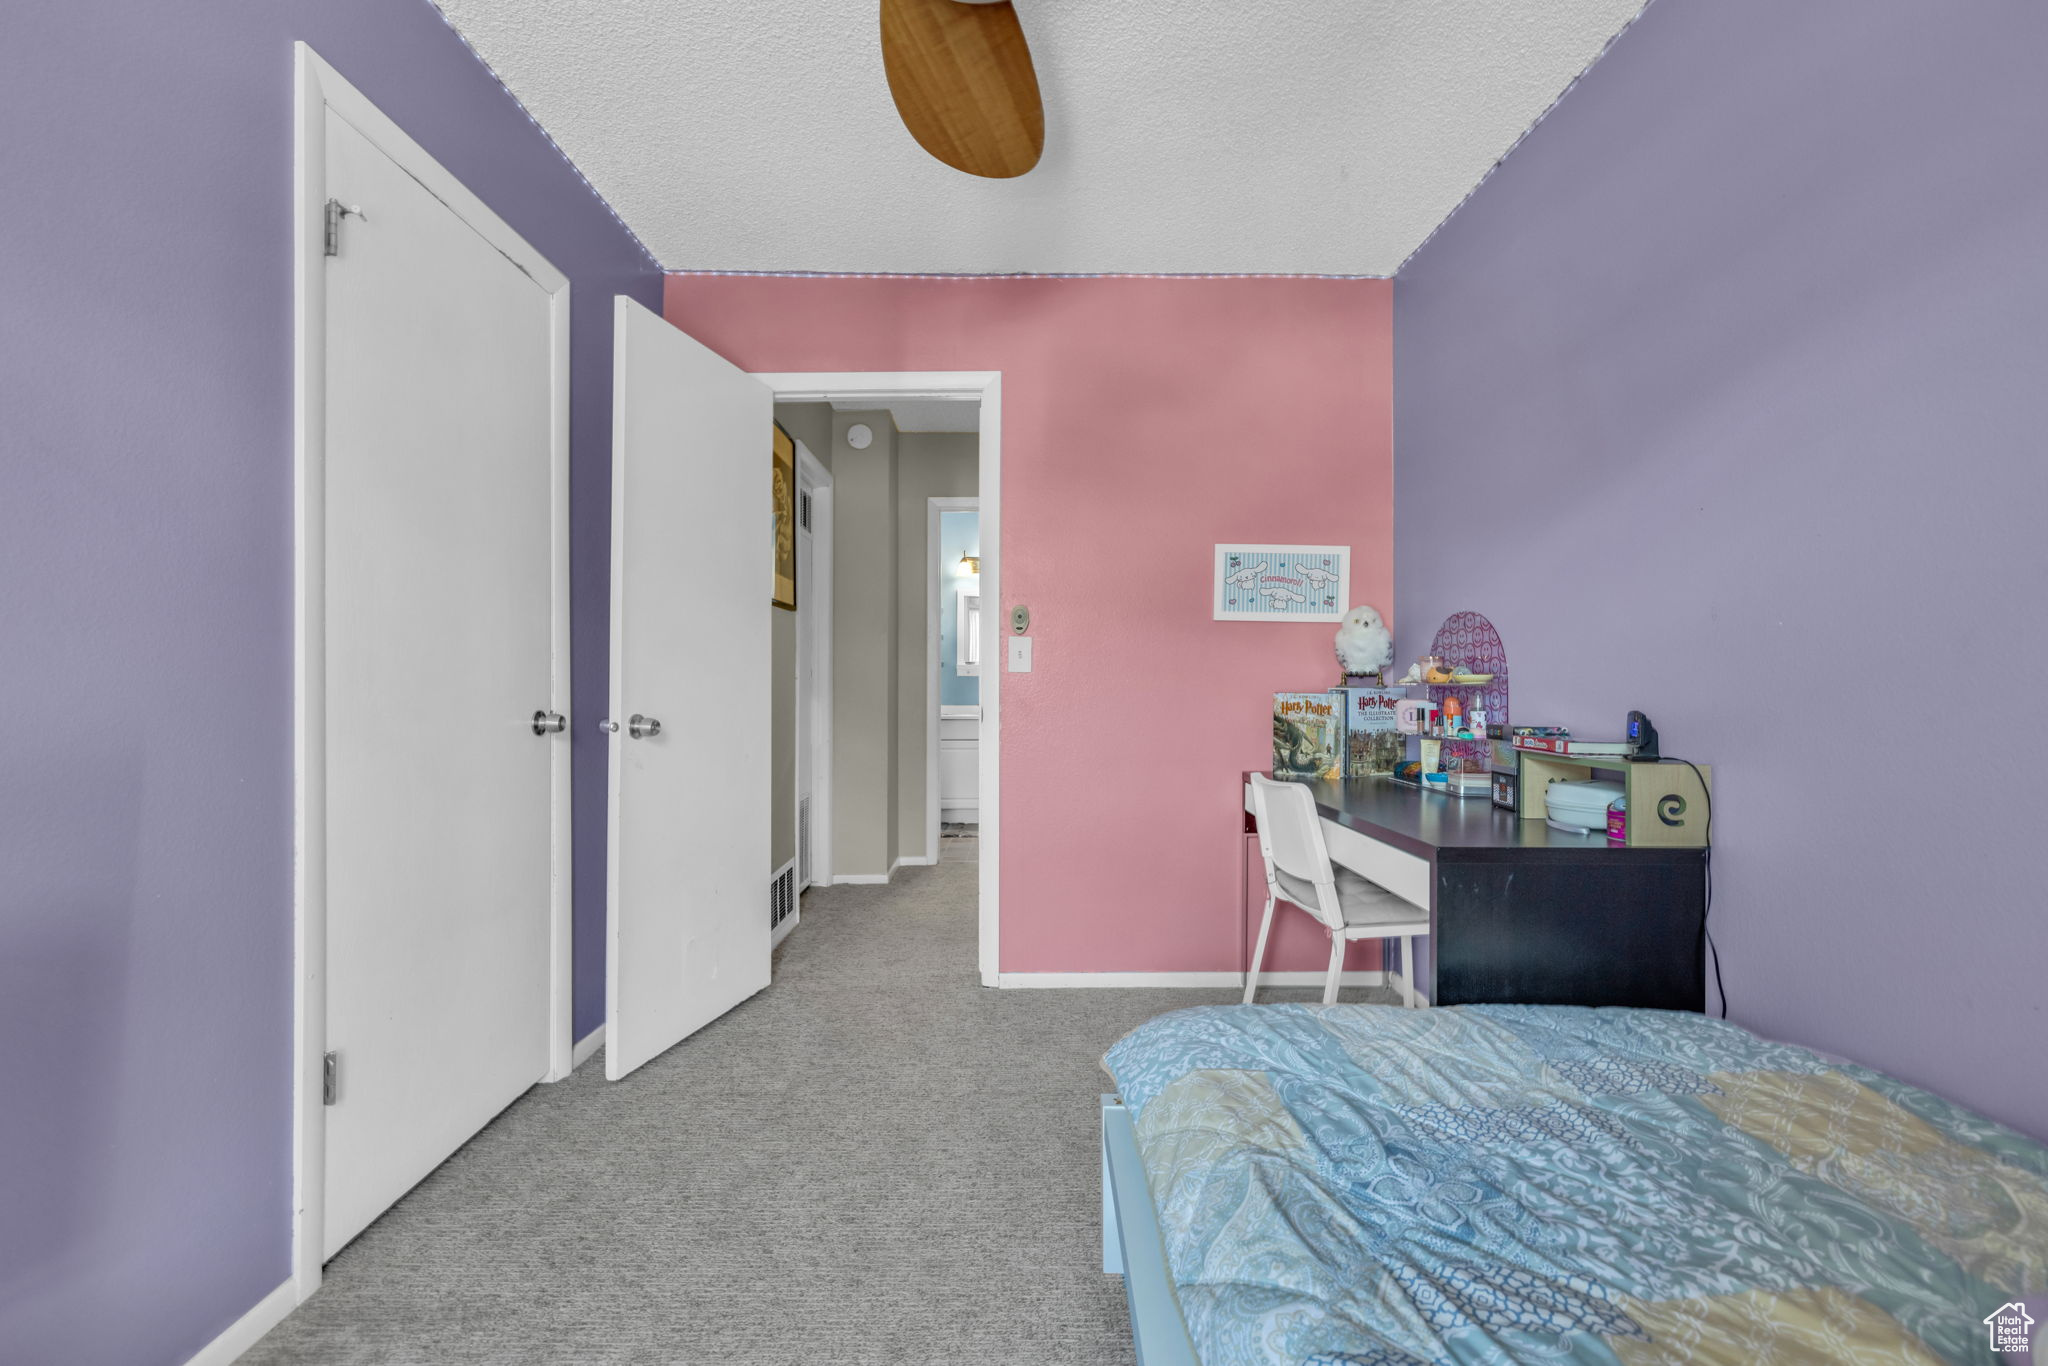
(874, 1160)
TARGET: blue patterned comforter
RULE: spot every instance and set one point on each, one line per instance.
(1366, 1185)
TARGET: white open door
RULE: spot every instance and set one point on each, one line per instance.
(806, 690)
(692, 567)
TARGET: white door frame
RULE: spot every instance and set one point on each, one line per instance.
(934, 576)
(318, 87)
(814, 630)
(880, 387)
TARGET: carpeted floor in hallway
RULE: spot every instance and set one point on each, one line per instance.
(875, 1160)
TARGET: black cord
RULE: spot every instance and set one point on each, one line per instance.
(1708, 909)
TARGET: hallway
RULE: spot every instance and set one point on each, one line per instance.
(875, 1160)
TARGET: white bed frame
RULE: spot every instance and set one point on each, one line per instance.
(1132, 1246)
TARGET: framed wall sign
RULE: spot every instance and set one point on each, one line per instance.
(1282, 582)
(783, 501)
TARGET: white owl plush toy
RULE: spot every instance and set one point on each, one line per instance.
(1364, 645)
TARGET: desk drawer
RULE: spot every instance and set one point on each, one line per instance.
(1400, 872)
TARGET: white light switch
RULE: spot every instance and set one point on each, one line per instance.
(1020, 654)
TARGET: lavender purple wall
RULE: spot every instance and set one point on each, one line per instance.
(145, 628)
(1725, 398)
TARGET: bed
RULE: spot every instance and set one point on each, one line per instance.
(1371, 1186)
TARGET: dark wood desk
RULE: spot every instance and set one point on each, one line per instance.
(1520, 912)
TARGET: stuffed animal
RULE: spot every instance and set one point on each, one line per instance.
(1364, 645)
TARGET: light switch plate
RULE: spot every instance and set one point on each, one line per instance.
(1020, 654)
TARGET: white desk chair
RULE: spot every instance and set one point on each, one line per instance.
(1299, 872)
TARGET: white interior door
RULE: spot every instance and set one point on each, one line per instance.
(692, 577)
(440, 508)
(806, 691)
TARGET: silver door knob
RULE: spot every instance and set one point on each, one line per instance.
(549, 723)
(640, 727)
(608, 726)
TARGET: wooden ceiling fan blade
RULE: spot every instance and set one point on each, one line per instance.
(962, 80)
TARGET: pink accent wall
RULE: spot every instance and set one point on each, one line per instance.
(1144, 421)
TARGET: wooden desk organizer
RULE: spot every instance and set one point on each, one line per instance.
(1667, 807)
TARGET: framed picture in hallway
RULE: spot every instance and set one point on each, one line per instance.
(785, 520)
(1282, 582)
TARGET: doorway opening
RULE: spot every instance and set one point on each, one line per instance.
(801, 843)
(956, 643)
(888, 443)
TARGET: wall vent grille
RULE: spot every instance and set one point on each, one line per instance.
(781, 897)
(803, 510)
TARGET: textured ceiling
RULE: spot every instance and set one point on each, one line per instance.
(923, 414)
(1283, 136)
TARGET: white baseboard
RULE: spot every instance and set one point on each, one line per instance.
(586, 1048)
(1120, 979)
(916, 861)
(874, 879)
(1315, 979)
(1183, 979)
(243, 1333)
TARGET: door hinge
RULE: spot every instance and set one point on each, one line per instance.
(336, 211)
(330, 1078)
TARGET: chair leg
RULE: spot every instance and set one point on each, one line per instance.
(1408, 997)
(1337, 942)
(1251, 978)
